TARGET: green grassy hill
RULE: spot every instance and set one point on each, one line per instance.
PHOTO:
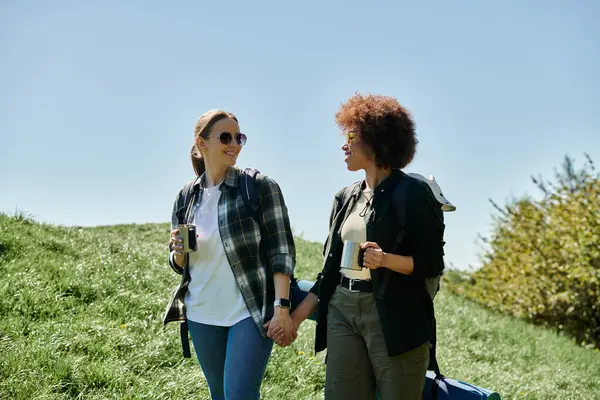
(81, 317)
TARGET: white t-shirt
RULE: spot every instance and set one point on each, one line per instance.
(355, 230)
(213, 297)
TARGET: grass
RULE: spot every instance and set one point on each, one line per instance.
(81, 318)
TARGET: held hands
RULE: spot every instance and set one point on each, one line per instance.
(281, 328)
(374, 256)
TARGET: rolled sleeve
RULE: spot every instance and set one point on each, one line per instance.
(173, 264)
(283, 263)
(316, 288)
(426, 226)
(277, 232)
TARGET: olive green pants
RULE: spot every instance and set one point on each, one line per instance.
(357, 359)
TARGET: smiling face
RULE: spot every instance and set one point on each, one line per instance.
(217, 153)
(356, 152)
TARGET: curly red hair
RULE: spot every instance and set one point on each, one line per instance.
(384, 125)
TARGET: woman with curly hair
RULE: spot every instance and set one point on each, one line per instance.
(375, 315)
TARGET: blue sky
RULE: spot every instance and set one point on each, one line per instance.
(98, 99)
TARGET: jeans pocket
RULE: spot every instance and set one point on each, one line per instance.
(417, 366)
(335, 296)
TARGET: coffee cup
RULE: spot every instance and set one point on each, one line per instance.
(187, 233)
(352, 256)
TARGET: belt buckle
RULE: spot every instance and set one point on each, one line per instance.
(351, 284)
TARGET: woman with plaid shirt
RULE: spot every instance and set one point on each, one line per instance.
(234, 291)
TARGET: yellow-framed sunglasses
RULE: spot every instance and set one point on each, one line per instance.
(351, 137)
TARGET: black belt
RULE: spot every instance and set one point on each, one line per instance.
(357, 285)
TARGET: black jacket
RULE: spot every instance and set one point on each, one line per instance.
(404, 306)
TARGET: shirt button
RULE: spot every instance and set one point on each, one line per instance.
(330, 254)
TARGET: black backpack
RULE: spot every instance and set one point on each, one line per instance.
(432, 285)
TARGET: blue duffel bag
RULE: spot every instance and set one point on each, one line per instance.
(442, 388)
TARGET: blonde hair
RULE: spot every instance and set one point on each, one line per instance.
(202, 128)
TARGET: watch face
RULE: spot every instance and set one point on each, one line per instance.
(283, 303)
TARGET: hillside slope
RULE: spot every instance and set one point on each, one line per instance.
(81, 312)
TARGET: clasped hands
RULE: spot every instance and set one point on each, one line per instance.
(282, 328)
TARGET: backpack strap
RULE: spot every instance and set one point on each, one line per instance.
(433, 365)
(184, 204)
(341, 206)
(185, 339)
(250, 191)
(431, 284)
(400, 197)
(350, 193)
(185, 200)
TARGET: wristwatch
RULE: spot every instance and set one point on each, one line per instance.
(283, 303)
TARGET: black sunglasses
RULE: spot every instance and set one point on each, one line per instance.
(226, 138)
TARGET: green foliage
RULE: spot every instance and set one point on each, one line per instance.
(81, 318)
(542, 260)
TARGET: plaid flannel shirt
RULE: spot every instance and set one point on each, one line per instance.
(253, 255)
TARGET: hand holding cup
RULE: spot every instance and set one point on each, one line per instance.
(176, 241)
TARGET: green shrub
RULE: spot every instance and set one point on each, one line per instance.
(542, 259)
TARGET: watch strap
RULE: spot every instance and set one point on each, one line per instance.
(283, 303)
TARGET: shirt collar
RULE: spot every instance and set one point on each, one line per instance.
(389, 181)
(231, 178)
(386, 183)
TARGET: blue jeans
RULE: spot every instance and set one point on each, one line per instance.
(233, 359)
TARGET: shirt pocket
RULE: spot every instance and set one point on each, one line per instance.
(245, 231)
